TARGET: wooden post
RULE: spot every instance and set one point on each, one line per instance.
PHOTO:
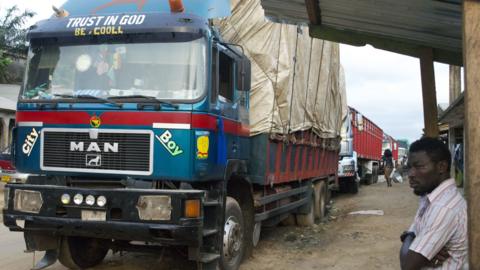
(454, 83)
(471, 60)
(430, 117)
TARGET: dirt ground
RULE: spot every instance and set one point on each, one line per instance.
(346, 241)
(343, 242)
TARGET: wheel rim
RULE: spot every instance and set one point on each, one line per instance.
(232, 238)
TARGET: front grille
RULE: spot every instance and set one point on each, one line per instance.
(123, 153)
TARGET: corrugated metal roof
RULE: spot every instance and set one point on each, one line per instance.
(454, 115)
(399, 26)
(8, 96)
(7, 105)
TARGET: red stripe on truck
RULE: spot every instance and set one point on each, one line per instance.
(199, 121)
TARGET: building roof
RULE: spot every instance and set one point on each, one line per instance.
(398, 26)
(8, 96)
(454, 115)
(7, 105)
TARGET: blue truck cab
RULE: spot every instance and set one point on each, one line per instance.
(133, 125)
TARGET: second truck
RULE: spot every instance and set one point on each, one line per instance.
(361, 152)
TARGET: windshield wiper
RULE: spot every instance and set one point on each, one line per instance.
(146, 98)
(105, 100)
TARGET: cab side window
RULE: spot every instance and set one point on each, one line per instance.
(225, 74)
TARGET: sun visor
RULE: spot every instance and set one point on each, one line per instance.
(202, 8)
(117, 25)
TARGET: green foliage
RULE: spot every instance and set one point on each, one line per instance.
(12, 38)
(4, 62)
(12, 31)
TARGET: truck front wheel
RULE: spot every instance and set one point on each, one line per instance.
(233, 236)
(82, 252)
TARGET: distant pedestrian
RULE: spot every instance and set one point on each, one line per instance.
(388, 163)
(437, 239)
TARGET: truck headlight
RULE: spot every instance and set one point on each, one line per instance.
(65, 199)
(90, 200)
(154, 207)
(78, 199)
(101, 201)
(6, 198)
(28, 201)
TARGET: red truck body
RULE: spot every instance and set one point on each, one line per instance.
(367, 137)
(390, 143)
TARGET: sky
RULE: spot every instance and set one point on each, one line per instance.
(384, 86)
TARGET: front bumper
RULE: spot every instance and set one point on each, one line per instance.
(122, 219)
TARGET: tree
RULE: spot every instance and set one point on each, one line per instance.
(12, 38)
(12, 31)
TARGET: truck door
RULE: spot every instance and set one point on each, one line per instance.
(224, 99)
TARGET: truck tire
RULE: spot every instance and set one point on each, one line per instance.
(375, 174)
(307, 219)
(233, 236)
(353, 186)
(82, 252)
(368, 179)
(289, 220)
(320, 199)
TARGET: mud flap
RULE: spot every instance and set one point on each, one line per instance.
(50, 258)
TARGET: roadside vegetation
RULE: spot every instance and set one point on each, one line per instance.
(12, 40)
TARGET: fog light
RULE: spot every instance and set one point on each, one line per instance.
(20, 223)
(101, 201)
(90, 200)
(192, 208)
(6, 197)
(65, 199)
(78, 199)
(28, 201)
(154, 207)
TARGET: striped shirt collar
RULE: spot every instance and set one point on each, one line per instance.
(446, 184)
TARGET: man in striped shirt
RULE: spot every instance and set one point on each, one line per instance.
(437, 239)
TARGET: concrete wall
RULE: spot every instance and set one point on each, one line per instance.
(8, 97)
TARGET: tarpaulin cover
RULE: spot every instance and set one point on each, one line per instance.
(297, 83)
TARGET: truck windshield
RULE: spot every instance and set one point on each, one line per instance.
(173, 71)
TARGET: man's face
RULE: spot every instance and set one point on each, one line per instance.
(423, 174)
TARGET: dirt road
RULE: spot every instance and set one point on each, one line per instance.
(344, 242)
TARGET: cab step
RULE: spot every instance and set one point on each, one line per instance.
(211, 203)
(208, 257)
(208, 232)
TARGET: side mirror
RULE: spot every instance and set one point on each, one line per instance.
(244, 75)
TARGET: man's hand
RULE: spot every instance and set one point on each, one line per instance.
(441, 256)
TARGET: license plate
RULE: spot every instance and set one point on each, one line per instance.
(6, 178)
(89, 215)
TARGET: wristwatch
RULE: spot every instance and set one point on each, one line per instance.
(405, 234)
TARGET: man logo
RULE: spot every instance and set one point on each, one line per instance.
(95, 121)
(93, 160)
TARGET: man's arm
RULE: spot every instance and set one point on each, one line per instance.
(430, 242)
(413, 260)
(410, 260)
